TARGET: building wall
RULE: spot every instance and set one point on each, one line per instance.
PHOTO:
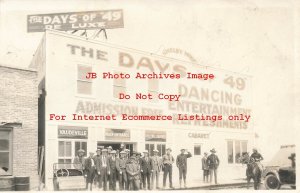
(19, 104)
(62, 99)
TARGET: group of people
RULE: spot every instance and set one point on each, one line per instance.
(132, 170)
(210, 164)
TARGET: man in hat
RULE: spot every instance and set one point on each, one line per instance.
(257, 157)
(156, 168)
(112, 162)
(103, 169)
(133, 171)
(181, 163)
(121, 168)
(128, 153)
(78, 161)
(213, 163)
(122, 147)
(168, 160)
(90, 169)
(146, 169)
(139, 160)
(109, 149)
(293, 159)
(205, 168)
(97, 158)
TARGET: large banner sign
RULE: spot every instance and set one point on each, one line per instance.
(105, 19)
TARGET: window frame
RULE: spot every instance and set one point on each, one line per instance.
(73, 153)
(155, 144)
(10, 150)
(65, 157)
(114, 85)
(154, 92)
(234, 141)
(197, 144)
(84, 80)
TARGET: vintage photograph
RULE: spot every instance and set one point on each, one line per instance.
(139, 95)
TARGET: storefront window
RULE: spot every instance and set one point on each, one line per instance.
(155, 140)
(119, 86)
(84, 85)
(197, 149)
(160, 147)
(80, 145)
(67, 151)
(235, 149)
(5, 153)
(64, 153)
(244, 147)
(230, 151)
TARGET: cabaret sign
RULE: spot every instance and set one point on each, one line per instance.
(104, 19)
(199, 135)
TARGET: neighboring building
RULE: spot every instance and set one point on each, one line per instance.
(19, 123)
(63, 61)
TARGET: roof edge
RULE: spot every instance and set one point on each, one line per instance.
(18, 68)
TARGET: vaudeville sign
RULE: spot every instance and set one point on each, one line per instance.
(72, 132)
(105, 19)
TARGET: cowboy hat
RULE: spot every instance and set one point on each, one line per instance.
(80, 151)
(213, 150)
(155, 150)
(113, 151)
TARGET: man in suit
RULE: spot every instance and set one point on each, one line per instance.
(181, 163)
(103, 169)
(96, 160)
(168, 160)
(156, 168)
(112, 161)
(133, 170)
(78, 161)
(89, 169)
(121, 167)
(205, 168)
(213, 163)
(139, 160)
(146, 169)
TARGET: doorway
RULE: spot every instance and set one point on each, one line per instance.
(117, 145)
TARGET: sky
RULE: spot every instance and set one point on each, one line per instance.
(257, 38)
